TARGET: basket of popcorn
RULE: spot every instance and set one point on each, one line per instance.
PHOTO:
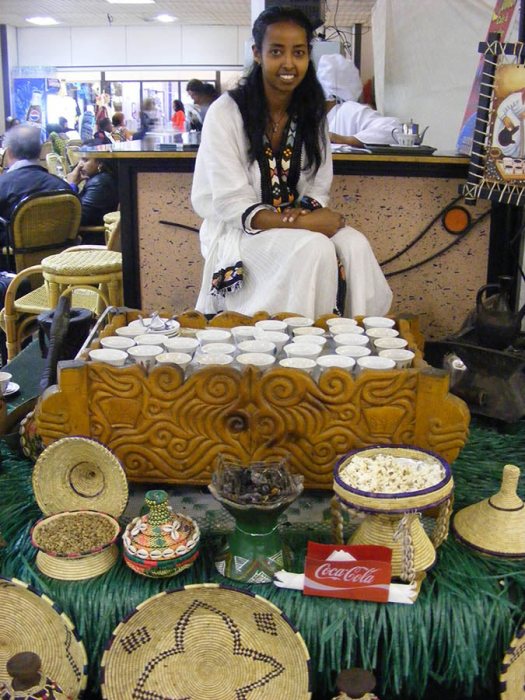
(392, 485)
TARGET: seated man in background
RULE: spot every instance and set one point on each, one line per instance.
(349, 122)
(24, 175)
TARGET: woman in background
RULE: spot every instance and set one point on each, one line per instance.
(262, 181)
(178, 118)
(98, 196)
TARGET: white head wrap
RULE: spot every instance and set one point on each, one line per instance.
(339, 77)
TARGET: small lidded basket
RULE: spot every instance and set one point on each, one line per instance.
(393, 485)
(81, 489)
(160, 543)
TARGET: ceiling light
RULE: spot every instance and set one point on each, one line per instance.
(131, 2)
(42, 21)
(165, 18)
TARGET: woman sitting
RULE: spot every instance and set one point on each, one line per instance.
(262, 182)
(104, 133)
(98, 196)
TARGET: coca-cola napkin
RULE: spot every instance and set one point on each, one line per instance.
(366, 581)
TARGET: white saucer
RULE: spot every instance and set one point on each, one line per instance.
(12, 388)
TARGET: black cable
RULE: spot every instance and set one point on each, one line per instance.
(440, 252)
(420, 235)
(174, 223)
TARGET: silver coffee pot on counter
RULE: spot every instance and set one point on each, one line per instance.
(408, 134)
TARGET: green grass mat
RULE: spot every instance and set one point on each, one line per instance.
(454, 636)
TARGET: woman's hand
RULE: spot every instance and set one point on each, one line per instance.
(325, 221)
(346, 140)
(76, 175)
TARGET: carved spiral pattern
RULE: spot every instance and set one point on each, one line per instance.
(284, 388)
(214, 386)
(336, 383)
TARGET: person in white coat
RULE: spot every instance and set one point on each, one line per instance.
(262, 180)
(350, 122)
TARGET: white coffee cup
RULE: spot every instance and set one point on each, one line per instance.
(382, 333)
(117, 358)
(302, 350)
(307, 330)
(257, 359)
(226, 348)
(341, 321)
(304, 363)
(5, 378)
(389, 343)
(378, 322)
(241, 333)
(278, 338)
(151, 339)
(214, 358)
(315, 339)
(181, 344)
(182, 359)
(298, 322)
(271, 325)
(354, 351)
(117, 342)
(407, 139)
(374, 362)
(145, 354)
(129, 331)
(403, 358)
(346, 328)
(351, 339)
(213, 335)
(342, 361)
(264, 346)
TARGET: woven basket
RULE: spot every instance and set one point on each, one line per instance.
(496, 525)
(372, 502)
(412, 550)
(79, 474)
(207, 642)
(30, 621)
(512, 677)
(75, 566)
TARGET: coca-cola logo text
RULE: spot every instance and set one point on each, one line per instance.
(356, 574)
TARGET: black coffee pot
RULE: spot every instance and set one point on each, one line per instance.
(497, 326)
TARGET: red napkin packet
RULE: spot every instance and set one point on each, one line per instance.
(365, 577)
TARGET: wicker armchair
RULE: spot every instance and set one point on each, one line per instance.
(41, 225)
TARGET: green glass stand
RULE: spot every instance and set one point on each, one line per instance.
(254, 551)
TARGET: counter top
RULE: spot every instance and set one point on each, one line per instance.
(137, 150)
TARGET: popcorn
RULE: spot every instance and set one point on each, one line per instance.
(384, 473)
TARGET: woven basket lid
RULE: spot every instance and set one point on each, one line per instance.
(207, 642)
(512, 677)
(496, 525)
(30, 621)
(77, 473)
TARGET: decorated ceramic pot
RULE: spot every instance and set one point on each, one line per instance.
(160, 543)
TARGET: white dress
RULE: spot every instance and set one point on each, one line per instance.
(363, 122)
(291, 270)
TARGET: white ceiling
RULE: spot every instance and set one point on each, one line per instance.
(84, 13)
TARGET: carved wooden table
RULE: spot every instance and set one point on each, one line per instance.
(168, 429)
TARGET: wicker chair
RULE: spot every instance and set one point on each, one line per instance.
(18, 318)
(41, 225)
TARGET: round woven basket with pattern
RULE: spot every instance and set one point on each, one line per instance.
(391, 503)
(30, 621)
(207, 642)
